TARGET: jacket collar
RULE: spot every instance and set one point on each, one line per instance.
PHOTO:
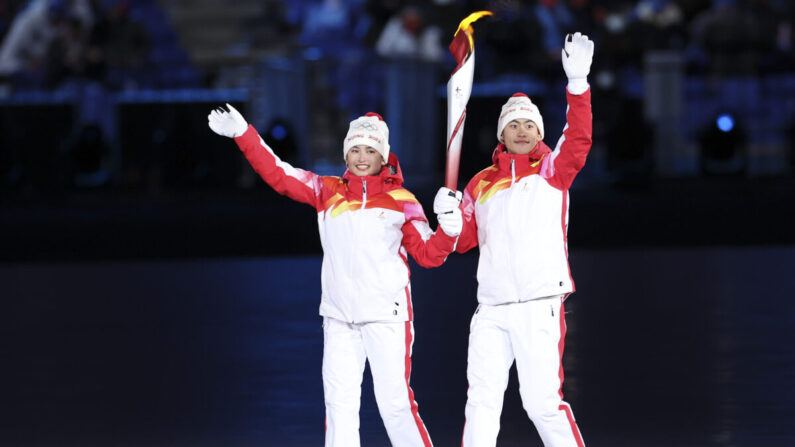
(521, 162)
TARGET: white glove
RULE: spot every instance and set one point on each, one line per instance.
(228, 124)
(446, 200)
(451, 222)
(577, 55)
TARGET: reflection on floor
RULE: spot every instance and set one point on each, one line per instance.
(664, 348)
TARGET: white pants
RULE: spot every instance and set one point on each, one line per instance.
(388, 348)
(531, 333)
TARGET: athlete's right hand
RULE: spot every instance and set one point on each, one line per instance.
(229, 124)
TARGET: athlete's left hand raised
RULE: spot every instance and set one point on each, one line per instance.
(227, 123)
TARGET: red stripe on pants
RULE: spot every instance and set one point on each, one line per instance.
(426, 439)
(565, 408)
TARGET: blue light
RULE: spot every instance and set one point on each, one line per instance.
(725, 122)
(278, 132)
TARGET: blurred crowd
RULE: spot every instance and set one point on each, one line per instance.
(47, 42)
(92, 49)
(717, 37)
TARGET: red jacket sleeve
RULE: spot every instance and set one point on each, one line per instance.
(428, 248)
(297, 184)
(572, 149)
(469, 234)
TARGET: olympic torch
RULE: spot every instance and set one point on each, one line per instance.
(459, 87)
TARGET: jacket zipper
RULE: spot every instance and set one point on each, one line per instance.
(510, 256)
(513, 173)
(364, 202)
(364, 193)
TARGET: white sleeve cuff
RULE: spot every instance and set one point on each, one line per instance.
(577, 86)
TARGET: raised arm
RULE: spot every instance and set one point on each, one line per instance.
(297, 184)
(569, 155)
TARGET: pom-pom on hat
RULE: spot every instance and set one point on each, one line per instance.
(369, 130)
(519, 106)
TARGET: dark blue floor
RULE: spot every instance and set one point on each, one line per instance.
(678, 347)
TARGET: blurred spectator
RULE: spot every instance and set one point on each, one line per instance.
(785, 47)
(555, 20)
(379, 12)
(661, 25)
(122, 42)
(724, 37)
(112, 52)
(447, 14)
(772, 34)
(46, 40)
(66, 55)
(584, 16)
(8, 9)
(83, 10)
(512, 42)
(408, 35)
(328, 25)
(28, 39)
(271, 30)
(633, 28)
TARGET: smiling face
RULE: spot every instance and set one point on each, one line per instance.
(364, 160)
(520, 136)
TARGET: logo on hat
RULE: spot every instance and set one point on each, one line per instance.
(519, 106)
(366, 125)
(368, 130)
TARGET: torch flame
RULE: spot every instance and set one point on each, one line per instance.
(466, 25)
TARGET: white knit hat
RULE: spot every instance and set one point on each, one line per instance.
(519, 106)
(369, 130)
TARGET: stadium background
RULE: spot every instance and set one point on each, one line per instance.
(155, 292)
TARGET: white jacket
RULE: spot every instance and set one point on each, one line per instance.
(368, 226)
(517, 211)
